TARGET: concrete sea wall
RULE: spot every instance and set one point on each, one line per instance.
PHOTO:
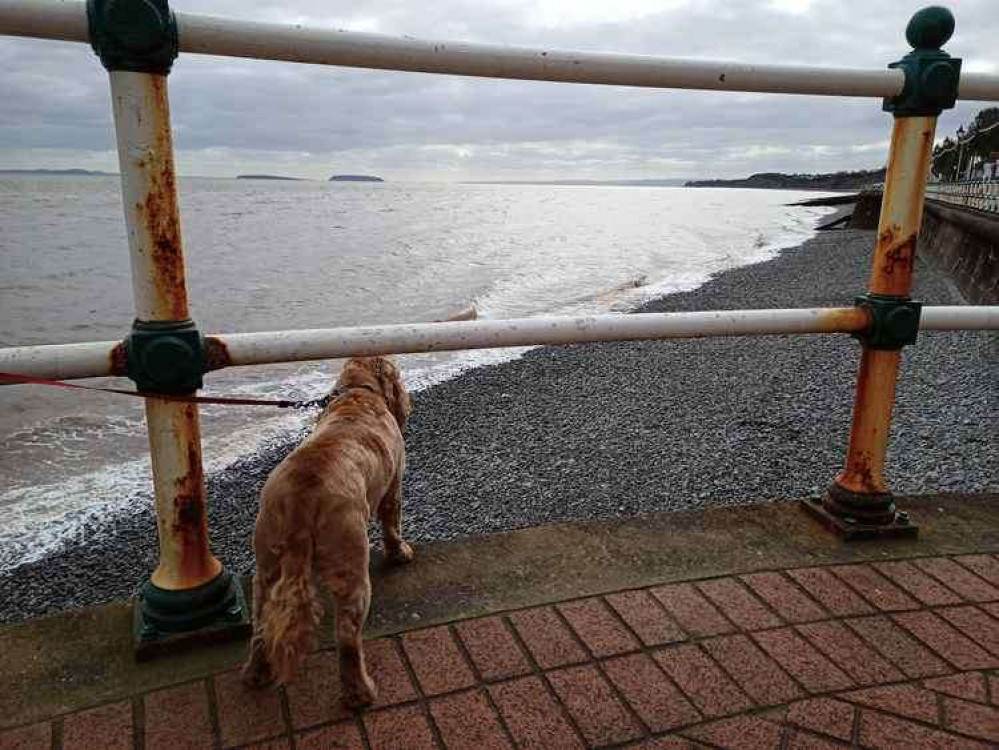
(963, 243)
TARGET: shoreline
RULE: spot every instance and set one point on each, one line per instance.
(593, 431)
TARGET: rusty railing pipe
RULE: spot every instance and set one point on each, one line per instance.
(103, 358)
(210, 35)
(145, 155)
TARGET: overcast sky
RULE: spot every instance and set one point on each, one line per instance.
(233, 116)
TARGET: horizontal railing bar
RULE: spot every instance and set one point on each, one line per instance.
(69, 361)
(66, 20)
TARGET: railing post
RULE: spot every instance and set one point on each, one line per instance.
(189, 591)
(858, 503)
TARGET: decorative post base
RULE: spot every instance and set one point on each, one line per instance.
(164, 621)
(855, 517)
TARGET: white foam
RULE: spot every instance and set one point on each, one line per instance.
(40, 520)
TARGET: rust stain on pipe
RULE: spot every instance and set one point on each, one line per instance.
(190, 522)
(872, 412)
(159, 211)
(185, 522)
(216, 353)
(852, 319)
(118, 359)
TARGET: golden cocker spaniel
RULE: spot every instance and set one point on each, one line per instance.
(312, 528)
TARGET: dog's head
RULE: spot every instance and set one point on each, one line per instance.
(380, 375)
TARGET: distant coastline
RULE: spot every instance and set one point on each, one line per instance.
(64, 172)
(778, 181)
(664, 182)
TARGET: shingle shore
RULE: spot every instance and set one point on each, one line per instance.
(605, 430)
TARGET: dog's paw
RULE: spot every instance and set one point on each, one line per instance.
(400, 555)
(359, 695)
(257, 675)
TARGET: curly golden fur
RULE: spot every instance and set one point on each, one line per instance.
(312, 527)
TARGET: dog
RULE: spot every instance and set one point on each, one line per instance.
(311, 529)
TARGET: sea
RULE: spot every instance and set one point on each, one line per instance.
(274, 255)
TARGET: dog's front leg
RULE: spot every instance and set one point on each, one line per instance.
(390, 514)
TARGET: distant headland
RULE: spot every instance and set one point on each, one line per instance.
(266, 177)
(355, 178)
(780, 181)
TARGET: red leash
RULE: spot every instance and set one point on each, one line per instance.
(11, 378)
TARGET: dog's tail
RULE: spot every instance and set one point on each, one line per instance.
(292, 612)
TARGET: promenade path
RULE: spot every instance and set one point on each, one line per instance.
(745, 628)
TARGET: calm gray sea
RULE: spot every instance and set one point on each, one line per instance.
(265, 255)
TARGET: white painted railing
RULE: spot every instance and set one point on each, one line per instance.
(982, 195)
(857, 498)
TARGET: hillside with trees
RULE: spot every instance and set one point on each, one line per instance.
(778, 181)
(970, 150)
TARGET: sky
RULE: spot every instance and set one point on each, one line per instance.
(234, 116)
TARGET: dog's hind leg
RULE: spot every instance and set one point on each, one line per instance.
(257, 672)
(390, 514)
(344, 571)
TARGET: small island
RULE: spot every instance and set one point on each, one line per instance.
(266, 177)
(355, 178)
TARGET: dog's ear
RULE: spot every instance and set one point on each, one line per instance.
(396, 397)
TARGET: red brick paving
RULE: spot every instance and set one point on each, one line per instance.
(946, 641)
(971, 718)
(468, 720)
(702, 680)
(493, 649)
(178, 718)
(757, 674)
(850, 653)
(598, 628)
(658, 702)
(591, 702)
(107, 727)
(740, 606)
(246, 715)
(547, 638)
(830, 592)
(344, 736)
(802, 661)
(397, 728)
(985, 566)
(785, 596)
(34, 737)
(315, 697)
(646, 617)
(959, 579)
(694, 613)
(909, 701)
(437, 661)
(889, 655)
(533, 716)
(823, 716)
(875, 588)
(971, 686)
(927, 590)
(900, 648)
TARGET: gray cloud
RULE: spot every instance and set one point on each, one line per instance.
(231, 116)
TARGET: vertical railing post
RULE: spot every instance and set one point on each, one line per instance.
(858, 504)
(189, 591)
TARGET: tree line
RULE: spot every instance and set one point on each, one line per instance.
(978, 143)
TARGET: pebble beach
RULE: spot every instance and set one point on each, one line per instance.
(600, 431)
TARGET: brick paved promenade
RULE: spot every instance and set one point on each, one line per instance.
(895, 654)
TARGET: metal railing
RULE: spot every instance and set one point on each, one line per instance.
(166, 353)
(982, 195)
